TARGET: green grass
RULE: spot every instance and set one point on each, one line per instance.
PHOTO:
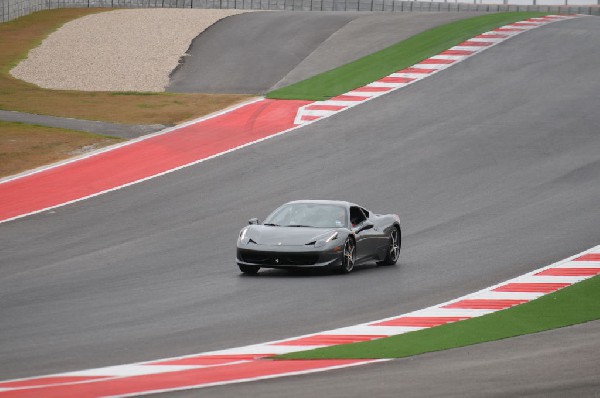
(572, 305)
(391, 59)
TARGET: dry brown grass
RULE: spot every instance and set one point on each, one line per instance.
(24, 147)
(19, 36)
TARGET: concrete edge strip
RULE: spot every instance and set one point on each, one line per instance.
(111, 129)
(319, 110)
(550, 278)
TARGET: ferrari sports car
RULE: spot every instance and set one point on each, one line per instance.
(319, 233)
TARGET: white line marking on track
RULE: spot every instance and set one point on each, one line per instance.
(375, 330)
(132, 370)
(490, 295)
(340, 102)
(448, 57)
(548, 279)
(317, 112)
(448, 312)
(385, 85)
(493, 40)
(581, 264)
(367, 93)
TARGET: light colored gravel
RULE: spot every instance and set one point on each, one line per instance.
(122, 50)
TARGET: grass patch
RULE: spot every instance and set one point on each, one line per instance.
(26, 146)
(391, 59)
(19, 36)
(572, 305)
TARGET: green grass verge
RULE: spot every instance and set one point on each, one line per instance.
(572, 305)
(391, 59)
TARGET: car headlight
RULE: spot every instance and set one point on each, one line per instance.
(326, 239)
(244, 238)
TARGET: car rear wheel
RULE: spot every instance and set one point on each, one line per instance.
(249, 269)
(348, 257)
(393, 251)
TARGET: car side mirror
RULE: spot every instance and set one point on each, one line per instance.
(253, 221)
(367, 225)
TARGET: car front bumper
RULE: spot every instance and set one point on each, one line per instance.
(266, 256)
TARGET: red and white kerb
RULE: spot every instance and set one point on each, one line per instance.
(428, 67)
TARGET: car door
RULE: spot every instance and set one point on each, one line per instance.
(381, 233)
(376, 236)
(366, 241)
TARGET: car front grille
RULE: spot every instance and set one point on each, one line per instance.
(277, 258)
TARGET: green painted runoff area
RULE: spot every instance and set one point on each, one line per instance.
(572, 305)
(394, 58)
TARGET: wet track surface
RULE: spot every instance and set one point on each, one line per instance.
(492, 165)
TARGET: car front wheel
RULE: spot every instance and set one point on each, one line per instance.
(348, 257)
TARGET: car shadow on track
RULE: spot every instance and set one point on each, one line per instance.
(312, 272)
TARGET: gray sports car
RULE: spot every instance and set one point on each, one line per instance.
(319, 233)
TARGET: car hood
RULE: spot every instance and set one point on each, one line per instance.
(285, 236)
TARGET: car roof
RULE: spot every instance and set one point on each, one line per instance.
(325, 202)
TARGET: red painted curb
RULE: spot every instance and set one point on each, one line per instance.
(421, 321)
(178, 380)
(330, 339)
(146, 158)
(485, 304)
(531, 287)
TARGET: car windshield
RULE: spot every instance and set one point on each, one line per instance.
(314, 215)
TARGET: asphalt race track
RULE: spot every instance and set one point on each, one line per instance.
(492, 165)
(255, 52)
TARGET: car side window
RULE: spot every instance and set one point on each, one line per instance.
(356, 216)
(366, 213)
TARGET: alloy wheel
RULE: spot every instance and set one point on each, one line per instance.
(394, 245)
(349, 256)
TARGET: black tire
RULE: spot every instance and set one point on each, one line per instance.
(393, 251)
(249, 269)
(348, 257)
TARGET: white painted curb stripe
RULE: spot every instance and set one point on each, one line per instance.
(132, 370)
(488, 295)
(549, 279)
